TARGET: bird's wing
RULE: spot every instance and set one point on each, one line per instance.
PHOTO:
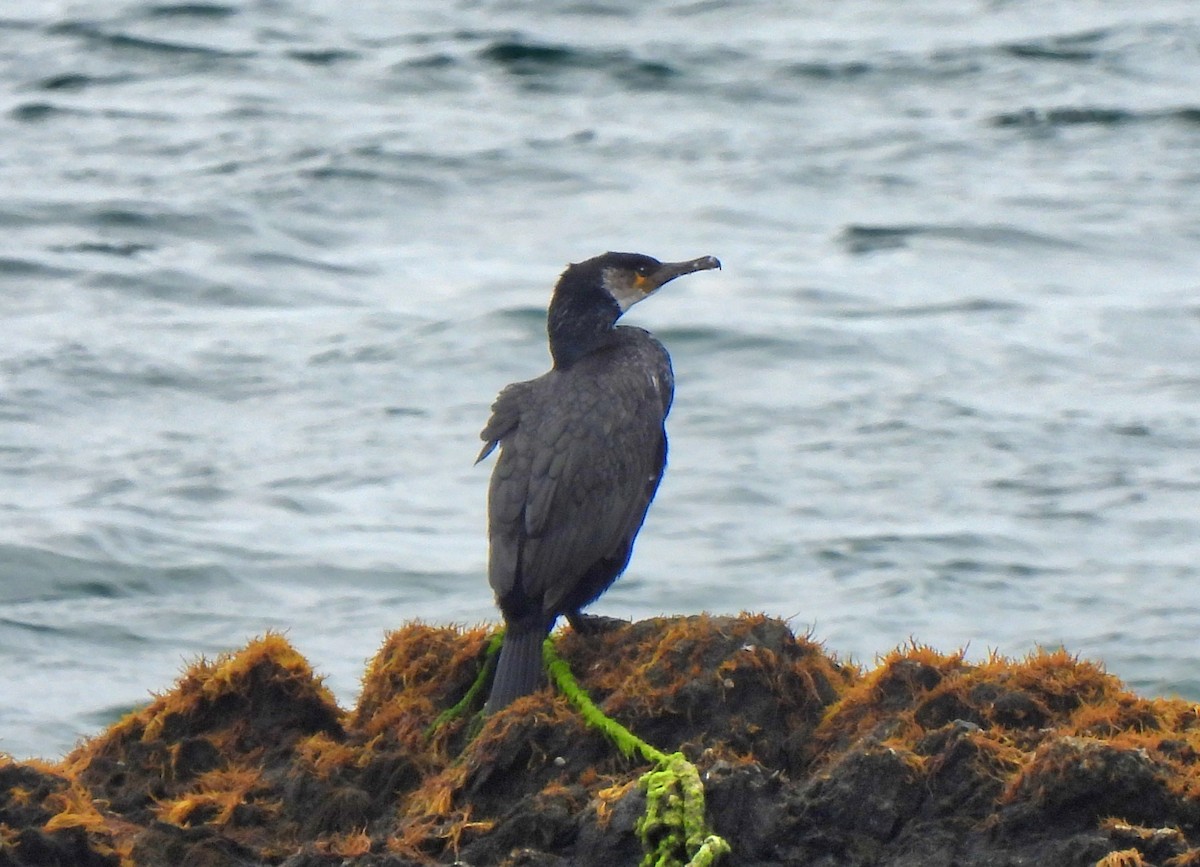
(580, 459)
(589, 484)
(509, 486)
(506, 413)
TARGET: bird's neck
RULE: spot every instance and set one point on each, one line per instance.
(576, 328)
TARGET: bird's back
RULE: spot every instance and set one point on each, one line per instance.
(581, 454)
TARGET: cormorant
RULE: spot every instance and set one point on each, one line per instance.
(582, 450)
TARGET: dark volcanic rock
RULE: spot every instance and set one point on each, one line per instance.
(926, 760)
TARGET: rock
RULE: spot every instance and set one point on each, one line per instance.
(925, 760)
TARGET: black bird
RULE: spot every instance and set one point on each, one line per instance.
(582, 450)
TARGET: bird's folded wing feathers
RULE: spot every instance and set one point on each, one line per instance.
(587, 499)
(506, 414)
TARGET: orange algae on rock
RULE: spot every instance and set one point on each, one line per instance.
(927, 759)
(258, 699)
(48, 818)
(740, 687)
(419, 671)
(194, 757)
(1047, 747)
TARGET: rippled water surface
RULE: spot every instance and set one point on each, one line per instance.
(265, 264)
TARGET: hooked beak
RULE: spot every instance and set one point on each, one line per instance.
(670, 270)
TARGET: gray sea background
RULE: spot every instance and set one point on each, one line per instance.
(264, 264)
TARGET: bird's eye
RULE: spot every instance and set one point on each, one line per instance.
(644, 270)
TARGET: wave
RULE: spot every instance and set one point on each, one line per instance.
(13, 267)
(861, 238)
(150, 217)
(211, 11)
(1064, 116)
(965, 306)
(521, 56)
(74, 82)
(96, 35)
(30, 574)
(1071, 48)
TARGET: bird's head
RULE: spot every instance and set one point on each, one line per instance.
(591, 296)
(632, 277)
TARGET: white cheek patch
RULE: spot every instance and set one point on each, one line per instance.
(624, 293)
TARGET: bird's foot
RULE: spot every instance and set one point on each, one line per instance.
(594, 624)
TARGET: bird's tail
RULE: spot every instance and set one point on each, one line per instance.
(519, 670)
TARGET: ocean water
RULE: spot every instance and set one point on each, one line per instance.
(265, 263)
